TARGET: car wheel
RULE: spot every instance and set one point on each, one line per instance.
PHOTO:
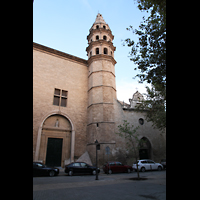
(143, 169)
(94, 172)
(159, 168)
(110, 171)
(51, 173)
(128, 170)
(70, 173)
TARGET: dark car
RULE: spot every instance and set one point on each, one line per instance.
(115, 166)
(80, 168)
(40, 169)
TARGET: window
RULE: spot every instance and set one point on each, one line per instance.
(83, 164)
(118, 163)
(150, 161)
(111, 163)
(97, 26)
(39, 165)
(104, 37)
(90, 53)
(97, 50)
(104, 27)
(105, 50)
(97, 37)
(76, 164)
(60, 97)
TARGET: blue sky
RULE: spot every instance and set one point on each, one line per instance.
(64, 25)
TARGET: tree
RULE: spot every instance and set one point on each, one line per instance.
(155, 105)
(149, 55)
(132, 142)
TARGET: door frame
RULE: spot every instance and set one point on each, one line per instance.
(40, 132)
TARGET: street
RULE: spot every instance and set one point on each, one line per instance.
(114, 186)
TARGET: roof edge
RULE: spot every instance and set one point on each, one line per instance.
(59, 53)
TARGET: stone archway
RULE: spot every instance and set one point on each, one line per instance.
(56, 125)
(145, 149)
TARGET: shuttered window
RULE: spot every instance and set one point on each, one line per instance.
(60, 97)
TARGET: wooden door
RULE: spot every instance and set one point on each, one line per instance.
(54, 152)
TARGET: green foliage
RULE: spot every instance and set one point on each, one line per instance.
(132, 141)
(130, 134)
(155, 105)
(149, 55)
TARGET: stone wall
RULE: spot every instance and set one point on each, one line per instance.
(52, 71)
(92, 111)
(155, 137)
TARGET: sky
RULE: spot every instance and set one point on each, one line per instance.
(64, 25)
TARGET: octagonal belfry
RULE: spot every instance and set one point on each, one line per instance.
(100, 39)
(101, 83)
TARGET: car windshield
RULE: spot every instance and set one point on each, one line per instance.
(112, 163)
(40, 165)
(76, 164)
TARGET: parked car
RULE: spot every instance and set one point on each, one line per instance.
(80, 168)
(163, 163)
(115, 166)
(147, 164)
(40, 169)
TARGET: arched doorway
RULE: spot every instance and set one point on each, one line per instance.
(145, 149)
(55, 142)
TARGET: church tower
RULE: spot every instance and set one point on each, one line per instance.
(101, 85)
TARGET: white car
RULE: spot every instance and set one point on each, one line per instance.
(146, 164)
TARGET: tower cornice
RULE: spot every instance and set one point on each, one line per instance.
(101, 71)
(101, 57)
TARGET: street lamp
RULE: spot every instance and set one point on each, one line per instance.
(98, 148)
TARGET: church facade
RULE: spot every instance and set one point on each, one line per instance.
(75, 103)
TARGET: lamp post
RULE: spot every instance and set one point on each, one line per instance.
(98, 148)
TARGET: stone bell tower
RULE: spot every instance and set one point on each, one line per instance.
(101, 85)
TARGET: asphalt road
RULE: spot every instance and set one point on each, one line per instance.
(108, 187)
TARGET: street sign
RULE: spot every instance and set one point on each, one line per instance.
(98, 146)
